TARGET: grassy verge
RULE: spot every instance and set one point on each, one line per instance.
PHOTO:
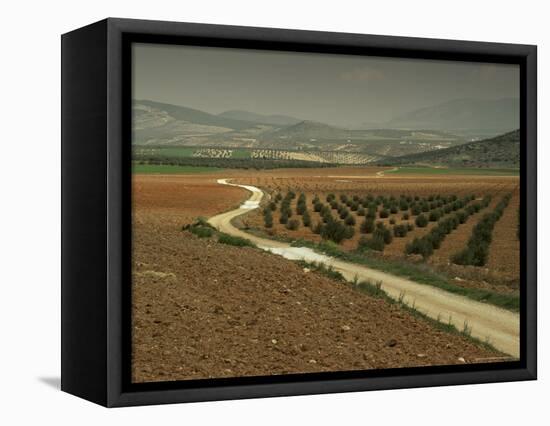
(234, 241)
(261, 233)
(202, 229)
(323, 269)
(419, 273)
(375, 290)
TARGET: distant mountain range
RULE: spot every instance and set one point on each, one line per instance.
(308, 130)
(157, 123)
(276, 119)
(500, 151)
(190, 115)
(496, 116)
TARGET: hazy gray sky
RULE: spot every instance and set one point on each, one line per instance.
(336, 89)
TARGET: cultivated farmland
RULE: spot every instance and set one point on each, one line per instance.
(238, 311)
(461, 227)
(332, 157)
(167, 155)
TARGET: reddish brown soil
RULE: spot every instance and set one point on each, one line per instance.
(498, 275)
(174, 200)
(504, 250)
(344, 181)
(457, 240)
(202, 309)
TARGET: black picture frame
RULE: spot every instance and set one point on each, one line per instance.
(96, 226)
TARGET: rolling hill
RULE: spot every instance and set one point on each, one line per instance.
(489, 116)
(195, 116)
(156, 123)
(500, 151)
(275, 119)
(308, 130)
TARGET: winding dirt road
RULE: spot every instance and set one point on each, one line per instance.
(487, 322)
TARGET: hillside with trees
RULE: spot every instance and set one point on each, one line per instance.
(500, 151)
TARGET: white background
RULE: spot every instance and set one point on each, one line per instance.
(30, 211)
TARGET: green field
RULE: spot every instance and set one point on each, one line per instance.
(241, 153)
(454, 171)
(166, 169)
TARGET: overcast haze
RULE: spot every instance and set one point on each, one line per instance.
(336, 89)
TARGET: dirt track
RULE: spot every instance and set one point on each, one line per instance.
(500, 327)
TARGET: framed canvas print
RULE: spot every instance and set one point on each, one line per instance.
(252, 212)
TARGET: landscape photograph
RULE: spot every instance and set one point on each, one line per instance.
(298, 213)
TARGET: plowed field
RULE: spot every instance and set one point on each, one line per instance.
(202, 309)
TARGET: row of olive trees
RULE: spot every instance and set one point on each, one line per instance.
(476, 251)
(426, 245)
